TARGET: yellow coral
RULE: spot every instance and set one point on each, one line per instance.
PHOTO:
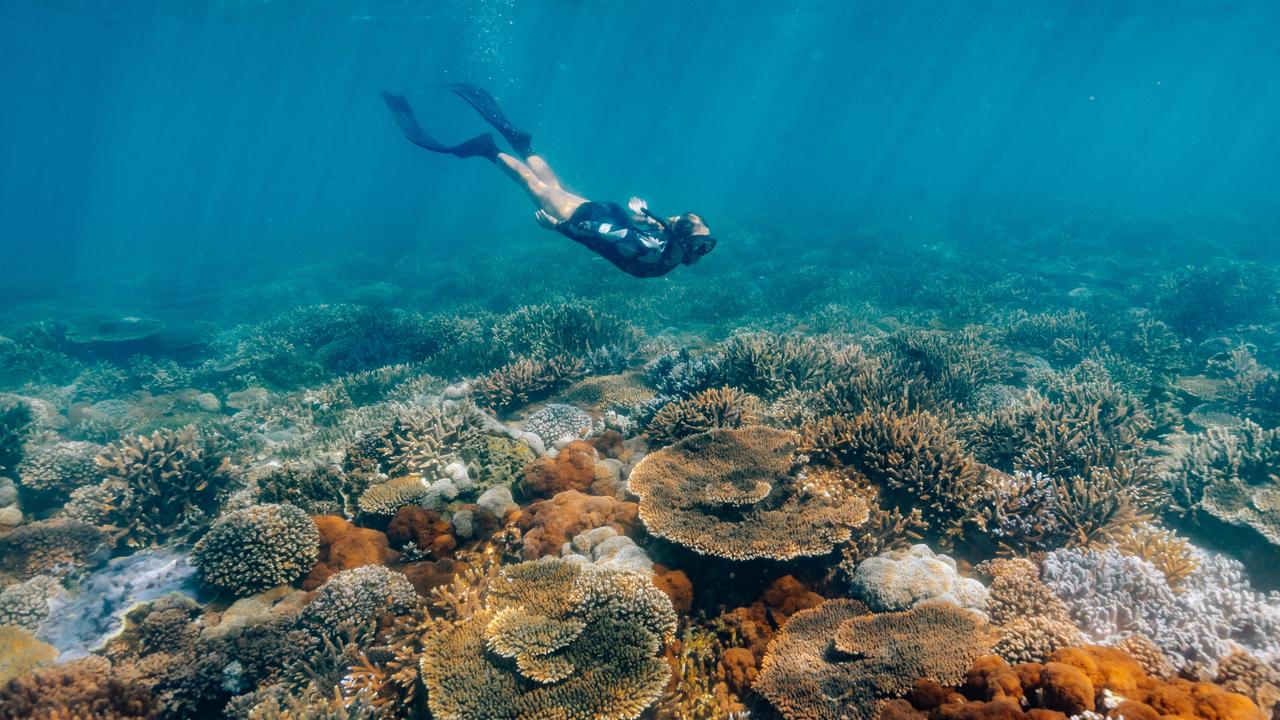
(21, 652)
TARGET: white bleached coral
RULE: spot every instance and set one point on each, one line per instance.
(901, 579)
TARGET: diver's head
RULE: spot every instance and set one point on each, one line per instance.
(694, 236)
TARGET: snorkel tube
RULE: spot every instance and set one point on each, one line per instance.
(649, 214)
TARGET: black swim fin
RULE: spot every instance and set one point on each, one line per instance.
(481, 145)
(487, 106)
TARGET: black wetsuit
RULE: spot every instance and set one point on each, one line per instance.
(637, 249)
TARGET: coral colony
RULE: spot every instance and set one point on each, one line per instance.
(809, 492)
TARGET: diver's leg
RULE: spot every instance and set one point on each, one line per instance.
(554, 201)
(542, 170)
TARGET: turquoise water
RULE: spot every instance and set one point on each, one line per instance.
(300, 420)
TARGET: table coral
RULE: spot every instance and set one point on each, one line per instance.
(585, 645)
(738, 494)
(256, 548)
(836, 661)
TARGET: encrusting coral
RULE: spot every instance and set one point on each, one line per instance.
(899, 580)
(836, 661)
(549, 524)
(256, 548)
(21, 652)
(343, 546)
(557, 423)
(739, 494)
(554, 639)
(26, 604)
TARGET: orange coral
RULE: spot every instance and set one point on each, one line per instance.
(548, 524)
(428, 532)
(755, 624)
(572, 469)
(676, 584)
(344, 546)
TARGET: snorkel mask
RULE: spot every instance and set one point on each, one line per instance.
(694, 246)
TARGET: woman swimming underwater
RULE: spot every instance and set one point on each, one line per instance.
(637, 241)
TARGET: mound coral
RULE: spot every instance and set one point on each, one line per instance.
(554, 640)
(428, 532)
(497, 460)
(258, 547)
(344, 546)
(605, 549)
(549, 524)
(712, 409)
(51, 547)
(51, 471)
(156, 487)
(835, 661)
(899, 580)
(26, 604)
(524, 381)
(558, 422)
(573, 468)
(738, 494)
(915, 460)
(353, 598)
(1082, 682)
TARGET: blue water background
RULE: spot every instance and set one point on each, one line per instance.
(213, 141)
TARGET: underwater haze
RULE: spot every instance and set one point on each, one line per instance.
(941, 379)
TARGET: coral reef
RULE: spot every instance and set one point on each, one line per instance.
(256, 548)
(353, 598)
(584, 642)
(557, 423)
(835, 661)
(524, 381)
(737, 494)
(51, 547)
(549, 524)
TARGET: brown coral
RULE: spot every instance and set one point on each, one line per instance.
(51, 547)
(573, 468)
(585, 644)
(1030, 620)
(344, 546)
(426, 529)
(21, 652)
(737, 494)
(524, 381)
(725, 407)
(549, 524)
(81, 689)
(808, 676)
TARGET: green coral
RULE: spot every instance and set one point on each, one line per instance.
(257, 548)
(585, 645)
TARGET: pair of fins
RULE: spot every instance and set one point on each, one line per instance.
(481, 145)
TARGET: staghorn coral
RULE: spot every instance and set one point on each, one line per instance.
(51, 547)
(1031, 622)
(259, 547)
(1110, 595)
(808, 675)
(572, 329)
(1232, 476)
(317, 489)
(679, 373)
(418, 440)
(736, 494)
(899, 580)
(156, 488)
(769, 364)
(1171, 554)
(524, 381)
(585, 644)
(51, 471)
(356, 597)
(955, 364)
(557, 422)
(915, 461)
(21, 652)
(712, 409)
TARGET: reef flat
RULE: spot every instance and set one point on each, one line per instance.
(1003, 472)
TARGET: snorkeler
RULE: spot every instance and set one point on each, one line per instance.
(634, 239)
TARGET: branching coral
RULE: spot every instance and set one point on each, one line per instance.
(419, 440)
(82, 689)
(914, 459)
(1171, 554)
(712, 409)
(51, 547)
(256, 548)
(356, 597)
(955, 364)
(1031, 622)
(15, 419)
(769, 364)
(524, 381)
(738, 494)
(317, 489)
(585, 644)
(1233, 476)
(835, 662)
(156, 487)
(572, 329)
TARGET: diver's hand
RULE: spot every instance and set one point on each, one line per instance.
(546, 220)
